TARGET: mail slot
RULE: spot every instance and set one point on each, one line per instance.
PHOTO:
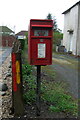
(40, 42)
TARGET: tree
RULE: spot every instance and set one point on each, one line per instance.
(57, 38)
(55, 27)
(49, 17)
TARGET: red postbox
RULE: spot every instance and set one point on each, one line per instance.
(40, 42)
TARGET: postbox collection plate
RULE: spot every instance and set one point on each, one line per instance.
(41, 50)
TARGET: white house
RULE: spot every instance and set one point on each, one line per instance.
(71, 38)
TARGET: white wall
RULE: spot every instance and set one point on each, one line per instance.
(65, 36)
(78, 40)
(71, 22)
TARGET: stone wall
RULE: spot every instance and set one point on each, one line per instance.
(7, 41)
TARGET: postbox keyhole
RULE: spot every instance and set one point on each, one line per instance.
(41, 40)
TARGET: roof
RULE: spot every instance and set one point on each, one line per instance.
(71, 7)
(22, 33)
(5, 29)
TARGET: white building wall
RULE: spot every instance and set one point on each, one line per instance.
(78, 40)
(65, 36)
(71, 22)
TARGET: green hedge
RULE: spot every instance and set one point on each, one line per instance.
(22, 43)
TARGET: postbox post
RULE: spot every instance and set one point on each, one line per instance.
(38, 91)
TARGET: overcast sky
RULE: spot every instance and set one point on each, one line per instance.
(16, 14)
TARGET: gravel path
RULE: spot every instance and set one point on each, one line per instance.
(5, 101)
(4, 55)
(5, 77)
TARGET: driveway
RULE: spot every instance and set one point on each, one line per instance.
(66, 67)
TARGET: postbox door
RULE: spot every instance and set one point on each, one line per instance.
(41, 51)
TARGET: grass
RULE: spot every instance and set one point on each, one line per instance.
(52, 92)
(51, 72)
(59, 100)
(56, 94)
(29, 83)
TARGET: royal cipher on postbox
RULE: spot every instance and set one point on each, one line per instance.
(40, 35)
